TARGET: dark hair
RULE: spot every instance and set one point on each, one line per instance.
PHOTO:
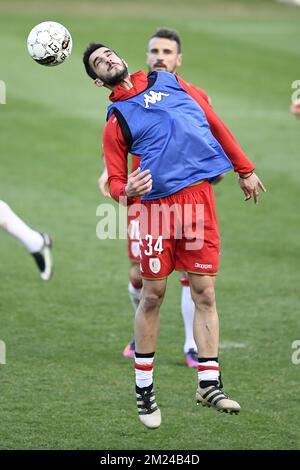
(167, 33)
(86, 55)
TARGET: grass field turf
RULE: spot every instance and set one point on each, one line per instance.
(65, 384)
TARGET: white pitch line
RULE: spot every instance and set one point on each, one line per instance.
(290, 2)
(229, 345)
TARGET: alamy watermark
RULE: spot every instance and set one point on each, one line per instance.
(2, 92)
(2, 352)
(296, 94)
(296, 354)
(156, 220)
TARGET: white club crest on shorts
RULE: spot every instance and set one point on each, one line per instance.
(154, 265)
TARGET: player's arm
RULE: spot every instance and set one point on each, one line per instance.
(240, 162)
(115, 149)
(103, 179)
(223, 135)
(248, 180)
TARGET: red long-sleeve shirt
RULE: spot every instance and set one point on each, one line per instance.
(116, 149)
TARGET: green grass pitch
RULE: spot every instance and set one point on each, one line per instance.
(65, 384)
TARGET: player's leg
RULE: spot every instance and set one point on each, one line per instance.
(147, 314)
(206, 321)
(37, 244)
(9, 221)
(134, 290)
(135, 280)
(187, 311)
(135, 284)
(146, 333)
(198, 253)
(157, 247)
(206, 334)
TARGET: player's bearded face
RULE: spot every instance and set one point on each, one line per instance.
(108, 66)
(115, 74)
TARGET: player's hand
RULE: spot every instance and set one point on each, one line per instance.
(251, 187)
(102, 182)
(138, 183)
(295, 108)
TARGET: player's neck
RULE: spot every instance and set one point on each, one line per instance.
(127, 83)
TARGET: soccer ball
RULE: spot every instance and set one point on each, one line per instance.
(49, 43)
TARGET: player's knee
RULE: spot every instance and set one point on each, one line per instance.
(204, 296)
(152, 299)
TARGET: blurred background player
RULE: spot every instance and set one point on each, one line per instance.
(164, 53)
(36, 243)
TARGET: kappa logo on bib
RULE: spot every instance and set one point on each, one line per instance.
(154, 265)
(153, 97)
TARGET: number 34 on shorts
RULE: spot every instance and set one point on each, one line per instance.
(151, 251)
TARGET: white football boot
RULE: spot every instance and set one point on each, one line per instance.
(215, 397)
(149, 413)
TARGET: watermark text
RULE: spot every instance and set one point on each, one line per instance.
(2, 352)
(160, 221)
(2, 92)
(296, 94)
(296, 354)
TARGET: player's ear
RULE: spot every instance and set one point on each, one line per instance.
(98, 82)
(179, 60)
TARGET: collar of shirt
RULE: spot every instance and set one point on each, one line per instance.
(140, 82)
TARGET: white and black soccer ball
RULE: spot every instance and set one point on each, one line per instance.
(49, 43)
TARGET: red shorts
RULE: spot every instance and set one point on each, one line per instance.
(180, 232)
(133, 232)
